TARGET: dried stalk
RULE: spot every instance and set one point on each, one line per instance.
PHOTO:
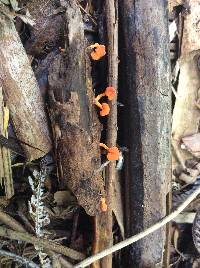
(5, 161)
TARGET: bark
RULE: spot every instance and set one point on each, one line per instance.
(144, 90)
(76, 128)
(22, 93)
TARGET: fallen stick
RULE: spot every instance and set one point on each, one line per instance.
(104, 222)
(22, 93)
(140, 235)
(11, 222)
(41, 243)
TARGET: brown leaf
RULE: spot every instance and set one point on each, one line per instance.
(192, 143)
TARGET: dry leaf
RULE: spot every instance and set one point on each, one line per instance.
(192, 143)
(64, 198)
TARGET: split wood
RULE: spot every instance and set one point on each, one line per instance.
(140, 235)
(41, 243)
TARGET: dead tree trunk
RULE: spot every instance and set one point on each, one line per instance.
(145, 120)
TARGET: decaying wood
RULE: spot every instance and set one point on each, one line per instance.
(104, 222)
(76, 128)
(144, 68)
(22, 93)
(5, 160)
(48, 30)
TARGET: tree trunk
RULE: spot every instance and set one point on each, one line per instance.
(144, 90)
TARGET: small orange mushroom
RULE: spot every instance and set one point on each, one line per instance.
(103, 204)
(110, 92)
(105, 109)
(98, 52)
(113, 152)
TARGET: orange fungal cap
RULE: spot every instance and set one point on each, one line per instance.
(98, 52)
(105, 109)
(103, 204)
(113, 154)
(110, 92)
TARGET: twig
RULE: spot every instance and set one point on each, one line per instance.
(65, 263)
(41, 243)
(11, 222)
(18, 258)
(141, 235)
(105, 233)
(91, 18)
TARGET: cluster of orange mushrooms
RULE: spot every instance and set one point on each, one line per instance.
(98, 51)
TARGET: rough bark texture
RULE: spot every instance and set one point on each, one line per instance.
(75, 124)
(22, 93)
(49, 26)
(144, 65)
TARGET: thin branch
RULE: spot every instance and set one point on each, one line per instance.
(18, 258)
(141, 235)
(41, 243)
(11, 222)
(105, 233)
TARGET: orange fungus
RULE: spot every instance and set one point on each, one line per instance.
(113, 152)
(103, 204)
(105, 109)
(98, 52)
(110, 92)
